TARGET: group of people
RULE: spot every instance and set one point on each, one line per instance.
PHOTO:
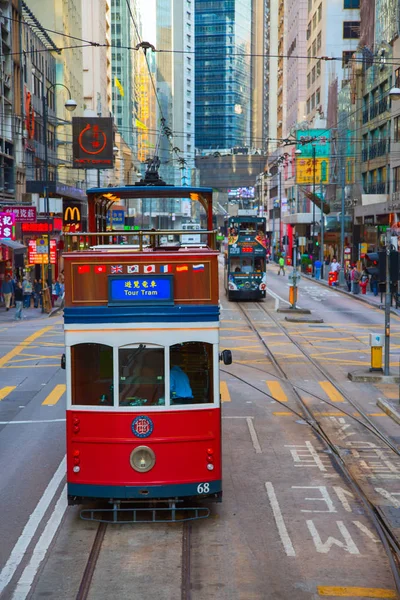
(353, 277)
(21, 294)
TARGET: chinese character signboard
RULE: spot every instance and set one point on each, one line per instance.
(7, 226)
(117, 217)
(38, 258)
(93, 142)
(140, 289)
(321, 142)
(305, 171)
(23, 214)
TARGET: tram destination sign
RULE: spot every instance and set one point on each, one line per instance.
(140, 289)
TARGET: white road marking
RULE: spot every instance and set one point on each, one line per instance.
(341, 494)
(25, 582)
(325, 497)
(367, 531)
(253, 435)
(276, 296)
(30, 528)
(324, 547)
(280, 523)
(30, 422)
(389, 496)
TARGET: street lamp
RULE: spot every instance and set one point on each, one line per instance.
(70, 105)
(313, 207)
(394, 93)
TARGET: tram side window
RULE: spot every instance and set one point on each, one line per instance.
(247, 227)
(235, 265)
(259, 265)
(92, 375)
(141, 375)
(191, 373)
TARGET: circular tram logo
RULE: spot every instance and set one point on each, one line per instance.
(142, 426)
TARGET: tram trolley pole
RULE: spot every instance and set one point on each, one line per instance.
(387, 306)
(294, 278)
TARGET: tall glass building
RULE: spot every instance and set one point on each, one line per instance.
(223, 81)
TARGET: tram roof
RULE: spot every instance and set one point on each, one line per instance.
(151, 191)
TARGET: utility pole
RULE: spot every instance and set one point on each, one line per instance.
(313, 207)
(387, 305)
(46, 183)
(280, 208)
(342, 218)
(321, 249)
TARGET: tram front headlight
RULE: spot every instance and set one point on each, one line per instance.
(142, 459)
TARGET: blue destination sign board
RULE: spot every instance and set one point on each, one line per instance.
(140, 289)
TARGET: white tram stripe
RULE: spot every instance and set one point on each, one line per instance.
(253, 435)
(30, 528)
(27, 578)
(280, 523)
(29, 422)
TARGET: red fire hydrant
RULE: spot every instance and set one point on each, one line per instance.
(332, 278)
(363, 286)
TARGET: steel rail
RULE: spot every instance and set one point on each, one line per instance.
(88, 573)
(186, 592)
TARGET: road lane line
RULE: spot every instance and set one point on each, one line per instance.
(331, 391)
(27, 578)
(253, 435)
(283, 414)
(224, 391)
(6, 390)
(276, 391)
(30, 528)
(18, 349)
(55, 395)
(280, 523)
(355, 592)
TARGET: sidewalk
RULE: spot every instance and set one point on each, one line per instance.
(28, 314)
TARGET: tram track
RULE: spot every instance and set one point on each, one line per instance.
(386, 535)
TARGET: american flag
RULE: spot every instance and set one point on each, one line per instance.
(116, 268)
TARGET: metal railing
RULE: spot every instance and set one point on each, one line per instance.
(81, 241)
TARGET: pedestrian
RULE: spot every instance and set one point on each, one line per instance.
(318, 267)
(27, 291)
(335, 266)
(347, 276)
(373, 284)
(355, 280)
(37, 293)
(19, 298)
(7, 289)
(281, 263)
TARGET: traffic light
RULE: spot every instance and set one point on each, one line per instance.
(378, 259)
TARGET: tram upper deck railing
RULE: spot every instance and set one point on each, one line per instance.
(139, 240)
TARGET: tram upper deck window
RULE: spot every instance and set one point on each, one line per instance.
(92, 375)
(141, 375)
(247, 227)
(191, 373)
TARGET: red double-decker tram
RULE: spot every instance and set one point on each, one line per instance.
(142, 361)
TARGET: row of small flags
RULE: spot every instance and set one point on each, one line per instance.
(130, 269)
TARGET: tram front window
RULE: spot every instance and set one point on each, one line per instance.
(92, 375)
(191, 373)
(141, 375)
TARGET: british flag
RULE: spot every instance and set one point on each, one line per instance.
(116, 269)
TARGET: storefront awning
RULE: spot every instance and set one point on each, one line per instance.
(16, 247)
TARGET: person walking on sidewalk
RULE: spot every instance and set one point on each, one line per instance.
(7, 290)
(347, 277)
(281, 263)
(355, 281)
(37, 293)
(27, 291)
(19, 298)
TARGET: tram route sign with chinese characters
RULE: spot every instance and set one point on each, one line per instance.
(23, 214)
(93, 143)
(7, 226)
(140, 289)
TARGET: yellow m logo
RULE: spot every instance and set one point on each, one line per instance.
(72, 214)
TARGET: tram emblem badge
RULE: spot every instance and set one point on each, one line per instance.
(142, 426)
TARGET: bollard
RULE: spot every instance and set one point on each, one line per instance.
(376, 343)
(292, 295)
(276, 304)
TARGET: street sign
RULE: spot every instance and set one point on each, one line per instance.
(7, 226)
(294, 277)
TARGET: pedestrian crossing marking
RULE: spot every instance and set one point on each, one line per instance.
(6, 390)
(224, 391)
(355, 592)
(276, 391)
(331, 391)
(54, 395)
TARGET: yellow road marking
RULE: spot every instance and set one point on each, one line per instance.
(225, 395)
(329, 414)
(331, 392)
(276, 391)
(391, 391)
(6, 390)
(355, 592)
(55, 395)
(18, 349)
(282, 414)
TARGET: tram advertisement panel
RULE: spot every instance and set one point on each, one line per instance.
(140, 289)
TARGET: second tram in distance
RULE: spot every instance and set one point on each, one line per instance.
(246, 258)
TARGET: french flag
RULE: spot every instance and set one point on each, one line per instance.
(166, 269)
(198, 267)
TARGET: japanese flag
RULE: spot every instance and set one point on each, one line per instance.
(149, 269)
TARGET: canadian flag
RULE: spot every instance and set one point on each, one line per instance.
(149, 269)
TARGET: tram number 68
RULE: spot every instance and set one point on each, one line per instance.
(203, 488)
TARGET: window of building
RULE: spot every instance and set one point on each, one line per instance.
(188, 15)
(92, 374)
(318, 96)
(351, 4)
(188, 38)
(397, 77)
(314, 48)
(188, 71)
(308, 80)
(346, 57)
(309, 5)
(396, 125)
(188, 148)
(318, 68)
(309, 56)
(188, 116)
(319, 12)
(319, 40)
(396, 179)
(188, 82)
(313, 75)
(351, 30)
(188, 104)
(188, 60)
(312, 101)
(141, 375)
(314, 21)
(308, 35)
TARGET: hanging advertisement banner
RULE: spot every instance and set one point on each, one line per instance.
(93, 142)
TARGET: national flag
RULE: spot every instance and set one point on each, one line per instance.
(133, 268)
(149, 269)
(83, 269)
(119, 87)
(166, 269)
(182, 268)
(100, 268)
(140, 125)
(116, 269)
(198, 267)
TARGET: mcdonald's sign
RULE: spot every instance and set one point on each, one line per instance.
(72, 219)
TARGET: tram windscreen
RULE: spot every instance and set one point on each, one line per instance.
(141, 375)
(191, 373)
(92, 375)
